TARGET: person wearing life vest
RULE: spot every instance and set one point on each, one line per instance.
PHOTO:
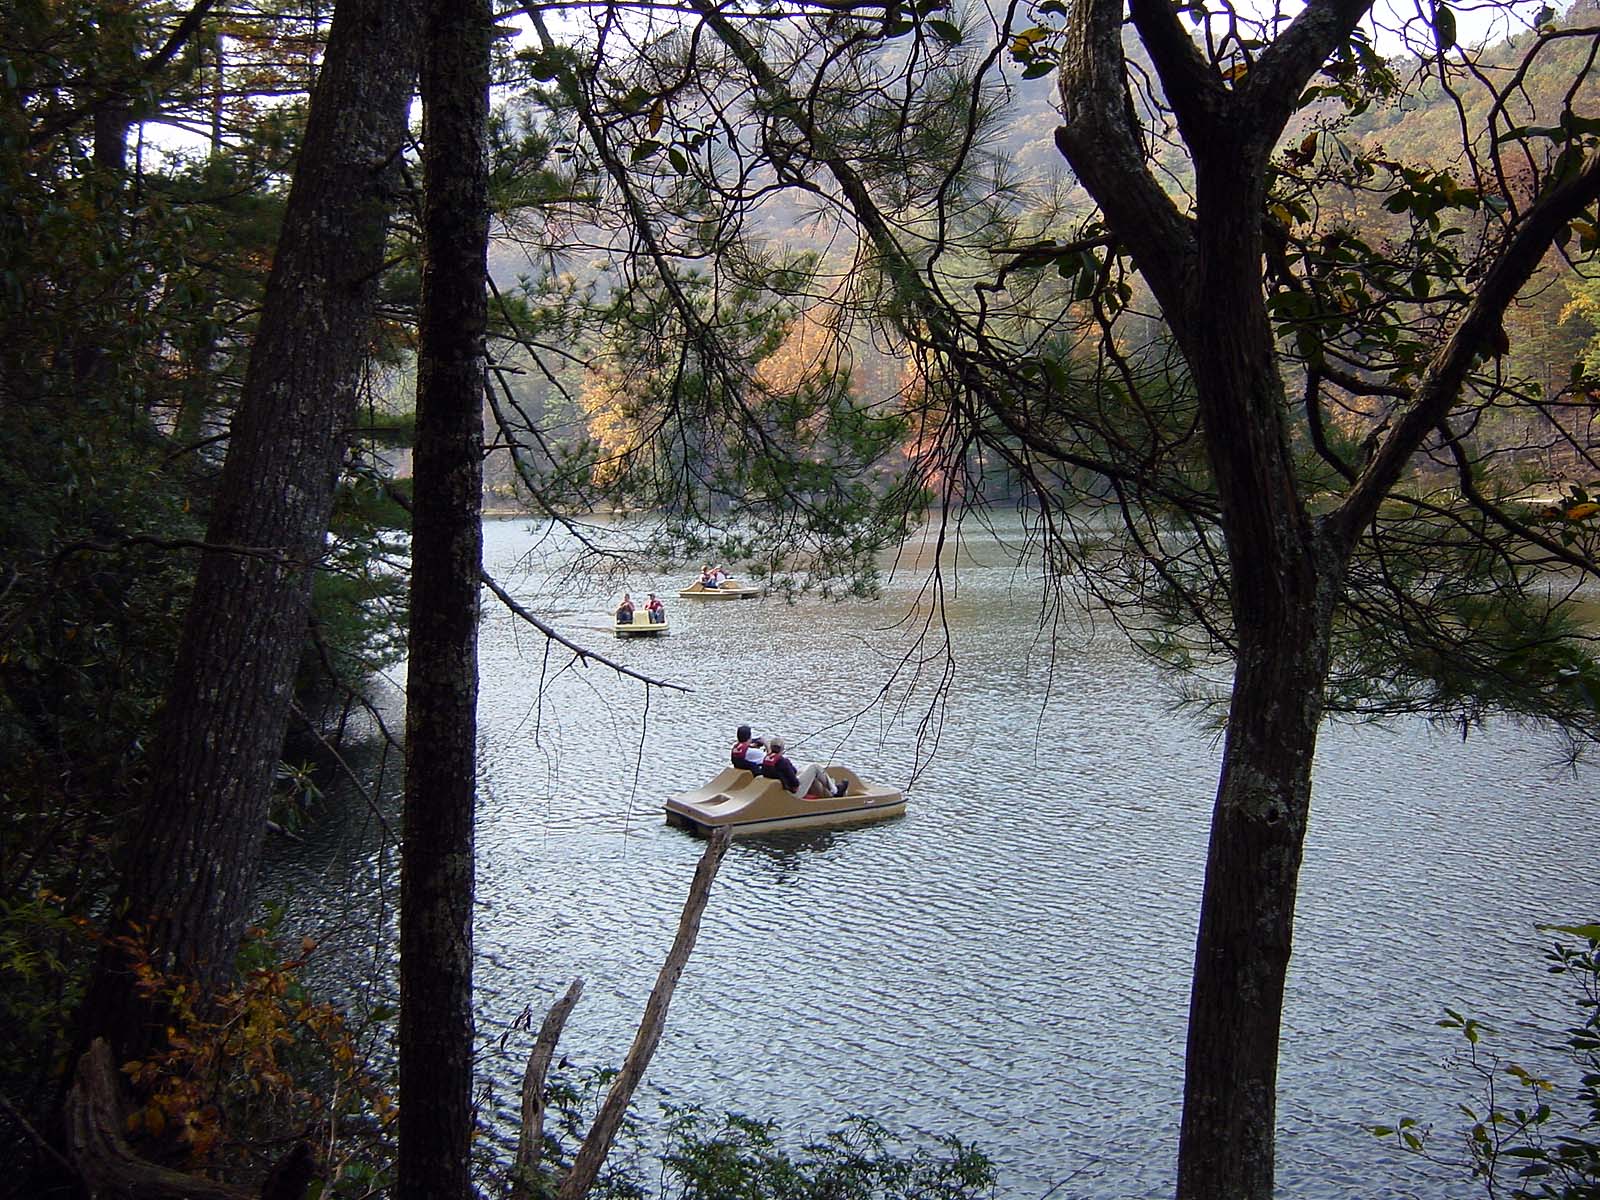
(811, 780)
(748, 752)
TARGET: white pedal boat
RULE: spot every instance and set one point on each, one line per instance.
(755, 804)
(642, 626)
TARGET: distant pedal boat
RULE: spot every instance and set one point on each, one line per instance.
(731, 589)
(753, 804)
(642, 626)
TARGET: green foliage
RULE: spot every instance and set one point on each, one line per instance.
(126, 298)
(128, 292)
(1481, 638)
(696, 401)
(43, 956)
(90, 609)
(695, 1155)
(740, 1157)
(359, 597)
(1532, 1135)
(130, 280)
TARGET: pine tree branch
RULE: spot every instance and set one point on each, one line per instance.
(1477, 333)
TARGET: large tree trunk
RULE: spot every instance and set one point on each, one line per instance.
(1281, 588)
(1258, 827)
(446, 559)
(190, 867)
(1284, 578)
(1284, 582)
(1282, 598)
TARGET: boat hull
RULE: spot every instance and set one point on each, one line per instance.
(641, 627)
(748, 804)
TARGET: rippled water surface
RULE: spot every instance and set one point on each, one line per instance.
(1009, 962)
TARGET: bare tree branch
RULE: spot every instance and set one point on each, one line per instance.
(581, 653)
(592, 1155)
(530, 1144)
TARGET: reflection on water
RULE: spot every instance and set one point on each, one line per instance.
(1008, 962)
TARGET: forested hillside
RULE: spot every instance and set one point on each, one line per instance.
(1549, 325)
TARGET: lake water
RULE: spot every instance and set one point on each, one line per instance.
(1009, 962)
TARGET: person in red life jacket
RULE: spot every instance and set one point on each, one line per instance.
(748, 752)
(655, 610)
(812, 780)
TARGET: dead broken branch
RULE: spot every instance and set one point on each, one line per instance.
(531, 1146)
(597, 1144)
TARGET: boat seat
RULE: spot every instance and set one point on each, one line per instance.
(725, 781)
(735, 787)
(765, 788)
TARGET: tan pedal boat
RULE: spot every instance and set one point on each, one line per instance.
(753, 804)
(731, 589)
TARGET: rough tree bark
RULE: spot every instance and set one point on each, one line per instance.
(446, 557)
(190, 867)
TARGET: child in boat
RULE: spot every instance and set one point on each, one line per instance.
(748, 751)
(812, 780)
